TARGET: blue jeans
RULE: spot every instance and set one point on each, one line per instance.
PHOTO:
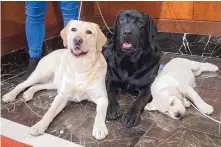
(35, 22)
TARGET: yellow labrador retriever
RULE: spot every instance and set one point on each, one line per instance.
(77, 73)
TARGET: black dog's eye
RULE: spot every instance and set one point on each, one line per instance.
(73, 29)
(139, 22)
(122, 19)
(88, 32)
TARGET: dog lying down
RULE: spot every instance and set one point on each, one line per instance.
(174, 83)
(77, 73)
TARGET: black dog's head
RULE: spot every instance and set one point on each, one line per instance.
(133, 31)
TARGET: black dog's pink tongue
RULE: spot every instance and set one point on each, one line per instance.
(76, 50)
(126, 44)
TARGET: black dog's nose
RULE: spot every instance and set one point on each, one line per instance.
(78, 40)
(177, 115)
(128, 33)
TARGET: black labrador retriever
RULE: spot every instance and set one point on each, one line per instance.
(133, 59)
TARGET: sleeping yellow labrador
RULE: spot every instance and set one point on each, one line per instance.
(77, 73)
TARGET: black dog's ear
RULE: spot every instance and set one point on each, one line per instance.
(117, 17)
(151, 28)
(115, 27)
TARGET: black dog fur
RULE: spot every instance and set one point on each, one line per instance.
(134, 67)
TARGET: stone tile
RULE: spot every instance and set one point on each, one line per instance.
(162, 118)
(71, 118)
(190, 44)
(161, 134)
(196, 121)
(211, 83)
(199, 139)
(165, 135)
(145, 124)
(169, 42)
(118, 134)
(27, 113)
(152, 115)
(30, 113)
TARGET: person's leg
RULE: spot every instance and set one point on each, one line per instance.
(35, 31)
(70, 10)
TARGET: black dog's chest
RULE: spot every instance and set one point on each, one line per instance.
(132, 76)
(125, 79)
(126, 73)
(122, 71)
(119, 77)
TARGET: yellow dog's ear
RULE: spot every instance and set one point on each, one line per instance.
(101, 39)
(63, 34)
(175, 91)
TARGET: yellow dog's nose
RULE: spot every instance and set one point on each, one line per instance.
(78, 40)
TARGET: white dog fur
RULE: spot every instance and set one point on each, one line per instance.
(177, 80)
(75, 78)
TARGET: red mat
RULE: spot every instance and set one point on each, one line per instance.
(8, 142)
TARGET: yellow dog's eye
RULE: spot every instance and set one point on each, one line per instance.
(73, 29)
(88, 32)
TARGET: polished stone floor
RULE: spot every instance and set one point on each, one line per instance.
(75, 122)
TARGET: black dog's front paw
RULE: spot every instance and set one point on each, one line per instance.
(131, 118)
(113, 111)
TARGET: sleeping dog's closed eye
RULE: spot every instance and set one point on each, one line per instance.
(172, 103)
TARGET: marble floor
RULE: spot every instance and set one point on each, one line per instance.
(75, 122)
(20, 133)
